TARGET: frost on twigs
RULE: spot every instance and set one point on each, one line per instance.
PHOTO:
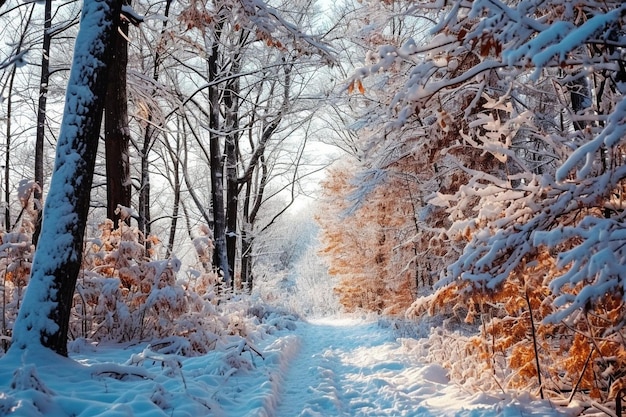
(261, 20)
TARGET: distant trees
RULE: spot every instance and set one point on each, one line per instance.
(378, 274)
(256, 70)
(379, 192)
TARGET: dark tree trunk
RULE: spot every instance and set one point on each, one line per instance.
(44, 316)
(144, 190)
(220, 258)
(231, 102)
(581, 99)
(251, 207)
(41, 113)
(116, 130)
(247, 277)
(174, 153)
(7, 156)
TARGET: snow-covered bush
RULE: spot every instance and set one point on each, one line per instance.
(124, 294)
(16, 255)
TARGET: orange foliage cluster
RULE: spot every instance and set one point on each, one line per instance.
(196, 16)
(587, 354)
(481, 199)
(371, 250)
(123, 294)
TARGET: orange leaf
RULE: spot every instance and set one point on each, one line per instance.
(360, 87)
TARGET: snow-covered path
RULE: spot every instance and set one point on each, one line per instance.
(323, 368)
(354, 368)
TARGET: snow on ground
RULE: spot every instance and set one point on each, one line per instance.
(287, 368)
(352, 367)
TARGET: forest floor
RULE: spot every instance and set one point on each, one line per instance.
(342, 366)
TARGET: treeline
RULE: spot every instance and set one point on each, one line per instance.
(206, 120)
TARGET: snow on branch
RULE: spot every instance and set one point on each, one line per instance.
(18, 59)
(365, 182)
(598, 262)
(561, 38)
(495, 251)
(611, 135)
(268, 20)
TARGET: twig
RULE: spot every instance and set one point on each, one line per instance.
(582, 373)
(534, 336)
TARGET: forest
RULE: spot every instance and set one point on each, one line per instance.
(447, 161)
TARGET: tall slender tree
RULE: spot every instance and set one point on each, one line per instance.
(116, 129)
(41, 112)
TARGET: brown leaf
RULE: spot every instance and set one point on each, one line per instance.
(360, 87)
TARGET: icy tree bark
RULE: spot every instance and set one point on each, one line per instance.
(44, 317)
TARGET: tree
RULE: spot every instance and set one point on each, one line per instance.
(249, 71)
(150, 114)
(21, 47)
(41, 111)
(44, 316)
(116, 129)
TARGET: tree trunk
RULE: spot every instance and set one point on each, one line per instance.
(220, 258)
(251, 207)
(116, 130)
(247, 241)
(7, 154)
(231, 102)
(581, 99)
(43, 319)
(41, 114)
(9, 116)
(144, 188)
(174, 154)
